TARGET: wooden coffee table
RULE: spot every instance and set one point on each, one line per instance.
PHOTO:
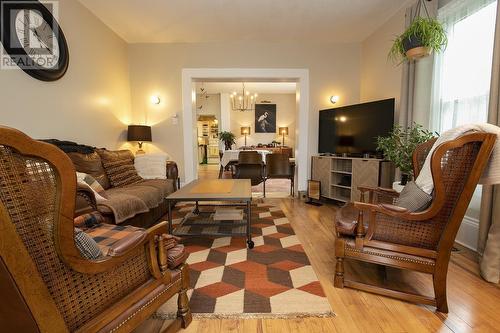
(218, 193)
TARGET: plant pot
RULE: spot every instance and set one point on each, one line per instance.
(404, 179)
(414, 49)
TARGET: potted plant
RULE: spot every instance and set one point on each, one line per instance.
(228, 138)
(424, 36)
(398, 147)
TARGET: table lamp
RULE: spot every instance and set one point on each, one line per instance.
(283, 131)
(139, 133)
(245, 131)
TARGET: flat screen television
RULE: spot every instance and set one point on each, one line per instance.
(354, 129)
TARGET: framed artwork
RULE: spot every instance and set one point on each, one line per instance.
(265, 118)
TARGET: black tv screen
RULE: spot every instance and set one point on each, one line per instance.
(354, 129)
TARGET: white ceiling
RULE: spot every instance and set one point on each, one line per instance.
(253, 87)
(191, 21)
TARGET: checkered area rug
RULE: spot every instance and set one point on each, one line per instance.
(274, 279)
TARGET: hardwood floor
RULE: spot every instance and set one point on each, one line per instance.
(473, 303)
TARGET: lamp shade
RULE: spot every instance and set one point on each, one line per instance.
(139, 133)
(245, 130)
(283, 130)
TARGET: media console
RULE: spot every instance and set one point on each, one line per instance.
(341, 176)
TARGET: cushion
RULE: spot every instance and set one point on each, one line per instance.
(87, 246)
(413, 198)
(87, 221)
(93, 184)
(346, 219)
(107, 235)
(170, 241)
(176, 256)
(151, 166)
(91, 164)
(119, 167)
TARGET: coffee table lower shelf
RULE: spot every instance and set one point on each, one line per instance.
(201, 223)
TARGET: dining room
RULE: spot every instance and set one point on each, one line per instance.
(244, 123)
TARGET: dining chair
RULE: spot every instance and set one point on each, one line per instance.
(278, 166)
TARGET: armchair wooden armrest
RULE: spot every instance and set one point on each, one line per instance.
(378, 194)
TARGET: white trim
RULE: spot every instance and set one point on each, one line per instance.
(301, 76)
(468, 233)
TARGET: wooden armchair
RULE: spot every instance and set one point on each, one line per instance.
(388, 235)
(46, 284)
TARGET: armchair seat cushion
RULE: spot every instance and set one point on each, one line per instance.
(109, 236)
(346, 219)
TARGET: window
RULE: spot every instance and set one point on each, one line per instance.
(462, 73)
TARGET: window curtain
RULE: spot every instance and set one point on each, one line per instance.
(413, 73)
(489, 221)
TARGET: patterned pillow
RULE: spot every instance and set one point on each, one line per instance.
(87, 246)
(119, 167)
(95, 186)
(413, 198)
(87, 221)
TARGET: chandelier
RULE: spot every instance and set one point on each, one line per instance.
(243, 102)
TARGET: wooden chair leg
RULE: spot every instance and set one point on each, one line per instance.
(264, 188)
(183, 310)
(339, 273)
(221, 170)
(439, 282)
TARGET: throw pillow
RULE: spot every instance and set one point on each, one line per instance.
(94, 185)
(89, 220)
(413, 198)
(91, 164)
(87, 246)
(119, 167)
(151, 166)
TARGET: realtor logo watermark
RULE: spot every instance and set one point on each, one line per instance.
(29, 34)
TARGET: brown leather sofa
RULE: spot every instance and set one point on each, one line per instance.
(86, 202)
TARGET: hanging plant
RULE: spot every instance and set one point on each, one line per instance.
(424, 36)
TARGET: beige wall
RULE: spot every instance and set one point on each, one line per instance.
(285, 117)
(91, 103)
(211, 105)
(380, 78)
(333, 69)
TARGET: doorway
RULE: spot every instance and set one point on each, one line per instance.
(300, 77)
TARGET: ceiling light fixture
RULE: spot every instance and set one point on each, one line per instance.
(243, 102)
(334, 99)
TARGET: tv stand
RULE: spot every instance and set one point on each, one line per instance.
(340, 176)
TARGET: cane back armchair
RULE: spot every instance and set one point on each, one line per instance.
(46, 284)
(388, 235)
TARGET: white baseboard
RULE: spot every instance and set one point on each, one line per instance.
(468, 233)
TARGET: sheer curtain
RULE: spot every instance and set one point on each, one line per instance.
(462, 77)
(462, 72)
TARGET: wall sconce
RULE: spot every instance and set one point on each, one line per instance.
(245, 131)
(155, 99)
(334, 99)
